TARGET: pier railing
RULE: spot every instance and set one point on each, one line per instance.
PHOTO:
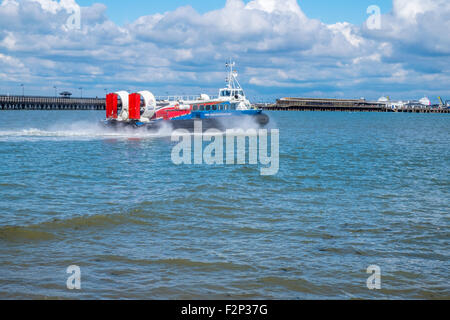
(182, 98)
(63, 103)
(50, 103)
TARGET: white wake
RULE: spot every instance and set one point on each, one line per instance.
(80, 131)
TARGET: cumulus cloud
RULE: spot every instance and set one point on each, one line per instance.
(418, 25)
(279, 49)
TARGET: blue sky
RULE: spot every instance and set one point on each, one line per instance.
(313, 48)
(329, 11)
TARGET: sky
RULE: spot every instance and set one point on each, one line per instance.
(307, 48)
(328, 11)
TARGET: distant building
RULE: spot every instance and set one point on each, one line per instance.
(425, 101)
(422, 103)
(391, 103)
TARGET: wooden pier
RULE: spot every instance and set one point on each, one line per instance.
(285, 104)
(50, 103)
(309, 104)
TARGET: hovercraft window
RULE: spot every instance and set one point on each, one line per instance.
(195, 108)
(214, 107)
(226, 93)
(208, 108)
(202, 108)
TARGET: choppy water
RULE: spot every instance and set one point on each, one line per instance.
(353, 190)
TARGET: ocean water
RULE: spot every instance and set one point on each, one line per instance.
(353, 190)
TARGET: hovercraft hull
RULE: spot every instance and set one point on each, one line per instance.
(257, 120)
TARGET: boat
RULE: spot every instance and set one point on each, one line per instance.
(142, 110)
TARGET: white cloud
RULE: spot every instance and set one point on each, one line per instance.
(346, 30)
(10, 61)
(420, 26)
(409, 9)
(273, 6)
(9, 41)
(277, 47)
(56, 6)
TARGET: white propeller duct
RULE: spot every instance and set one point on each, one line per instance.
(149, 105)
(124, 98)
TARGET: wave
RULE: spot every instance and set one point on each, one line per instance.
(80, 131)
(178, 262)
(49, 229)
(34, 134)
(90, 131)
(13, 234)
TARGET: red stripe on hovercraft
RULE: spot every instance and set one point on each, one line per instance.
(170, 113)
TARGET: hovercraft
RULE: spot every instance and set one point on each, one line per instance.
(142, 110)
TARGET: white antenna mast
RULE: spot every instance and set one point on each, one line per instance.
(232, 81)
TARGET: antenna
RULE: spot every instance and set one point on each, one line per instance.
(231, 80)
